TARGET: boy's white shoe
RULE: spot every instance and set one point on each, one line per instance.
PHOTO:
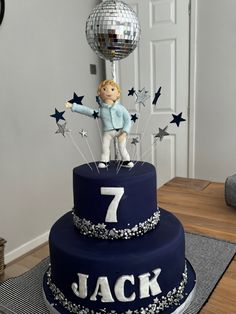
(103, 164)
(127, 164)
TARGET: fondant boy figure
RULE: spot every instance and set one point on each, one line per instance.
(115, 118)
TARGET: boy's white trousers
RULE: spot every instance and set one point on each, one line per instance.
(106, 141)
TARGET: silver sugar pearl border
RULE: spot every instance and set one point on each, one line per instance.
(173, 298)
(86, 227)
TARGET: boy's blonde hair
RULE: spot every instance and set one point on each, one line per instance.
(108, 82)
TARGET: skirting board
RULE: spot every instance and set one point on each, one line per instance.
(26, 247)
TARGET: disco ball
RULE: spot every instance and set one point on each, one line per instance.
(113, 30)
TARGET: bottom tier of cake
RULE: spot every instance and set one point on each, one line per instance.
(148, 274)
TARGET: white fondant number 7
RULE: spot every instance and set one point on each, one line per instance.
(111, 215)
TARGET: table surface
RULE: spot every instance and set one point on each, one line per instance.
(200, 206)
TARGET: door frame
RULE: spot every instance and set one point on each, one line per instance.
(192, 86)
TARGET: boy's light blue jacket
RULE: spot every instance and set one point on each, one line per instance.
(113, 117)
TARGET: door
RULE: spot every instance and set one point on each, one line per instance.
(160, 60)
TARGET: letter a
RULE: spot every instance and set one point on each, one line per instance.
(102, 289)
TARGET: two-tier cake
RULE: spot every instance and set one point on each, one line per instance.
(117, 252)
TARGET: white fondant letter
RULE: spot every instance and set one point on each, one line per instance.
(119, 288)
(112, 209)
(147, 285)
(102, 289)
(82, 292)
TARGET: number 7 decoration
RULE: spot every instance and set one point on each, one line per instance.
(118, 192)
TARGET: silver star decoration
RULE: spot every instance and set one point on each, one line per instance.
(135, 141)
(83, 133)
(129, 312)
(162, 133)
(142, 96)
(156, 300)
(102, 226)
(62, 129)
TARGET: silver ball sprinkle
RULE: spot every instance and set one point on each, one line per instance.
(113, 30)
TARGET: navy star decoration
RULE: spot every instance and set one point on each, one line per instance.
(76, 99)
(95, 114)
(131, 92)
(157, 95)
(134, 117)
(58, 115)
(177, 119)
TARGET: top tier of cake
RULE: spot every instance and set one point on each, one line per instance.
(115, 204)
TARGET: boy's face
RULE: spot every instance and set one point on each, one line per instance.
(109, 93)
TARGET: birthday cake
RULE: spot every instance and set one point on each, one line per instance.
(117, 252)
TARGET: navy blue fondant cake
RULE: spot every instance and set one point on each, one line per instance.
(134, 192)
(116, 252)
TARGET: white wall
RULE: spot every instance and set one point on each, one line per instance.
(215, 151)
(44, 58)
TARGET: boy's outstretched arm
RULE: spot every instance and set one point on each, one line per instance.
(81, 109)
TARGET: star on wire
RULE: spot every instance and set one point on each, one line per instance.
(76, 99)
(157, 95)
(177, 119)
(95, 114)
(141, 96)
(83, 133)
(58, 115)
(131, 92)
(134, 117)
(135, 141)
(62, 129)
(162, 133)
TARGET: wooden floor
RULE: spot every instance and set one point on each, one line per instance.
(26, 262)
(201, 208)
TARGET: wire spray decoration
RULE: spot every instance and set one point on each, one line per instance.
(125, 30)
(62, 129)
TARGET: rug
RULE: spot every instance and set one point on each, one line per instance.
(209, 257)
